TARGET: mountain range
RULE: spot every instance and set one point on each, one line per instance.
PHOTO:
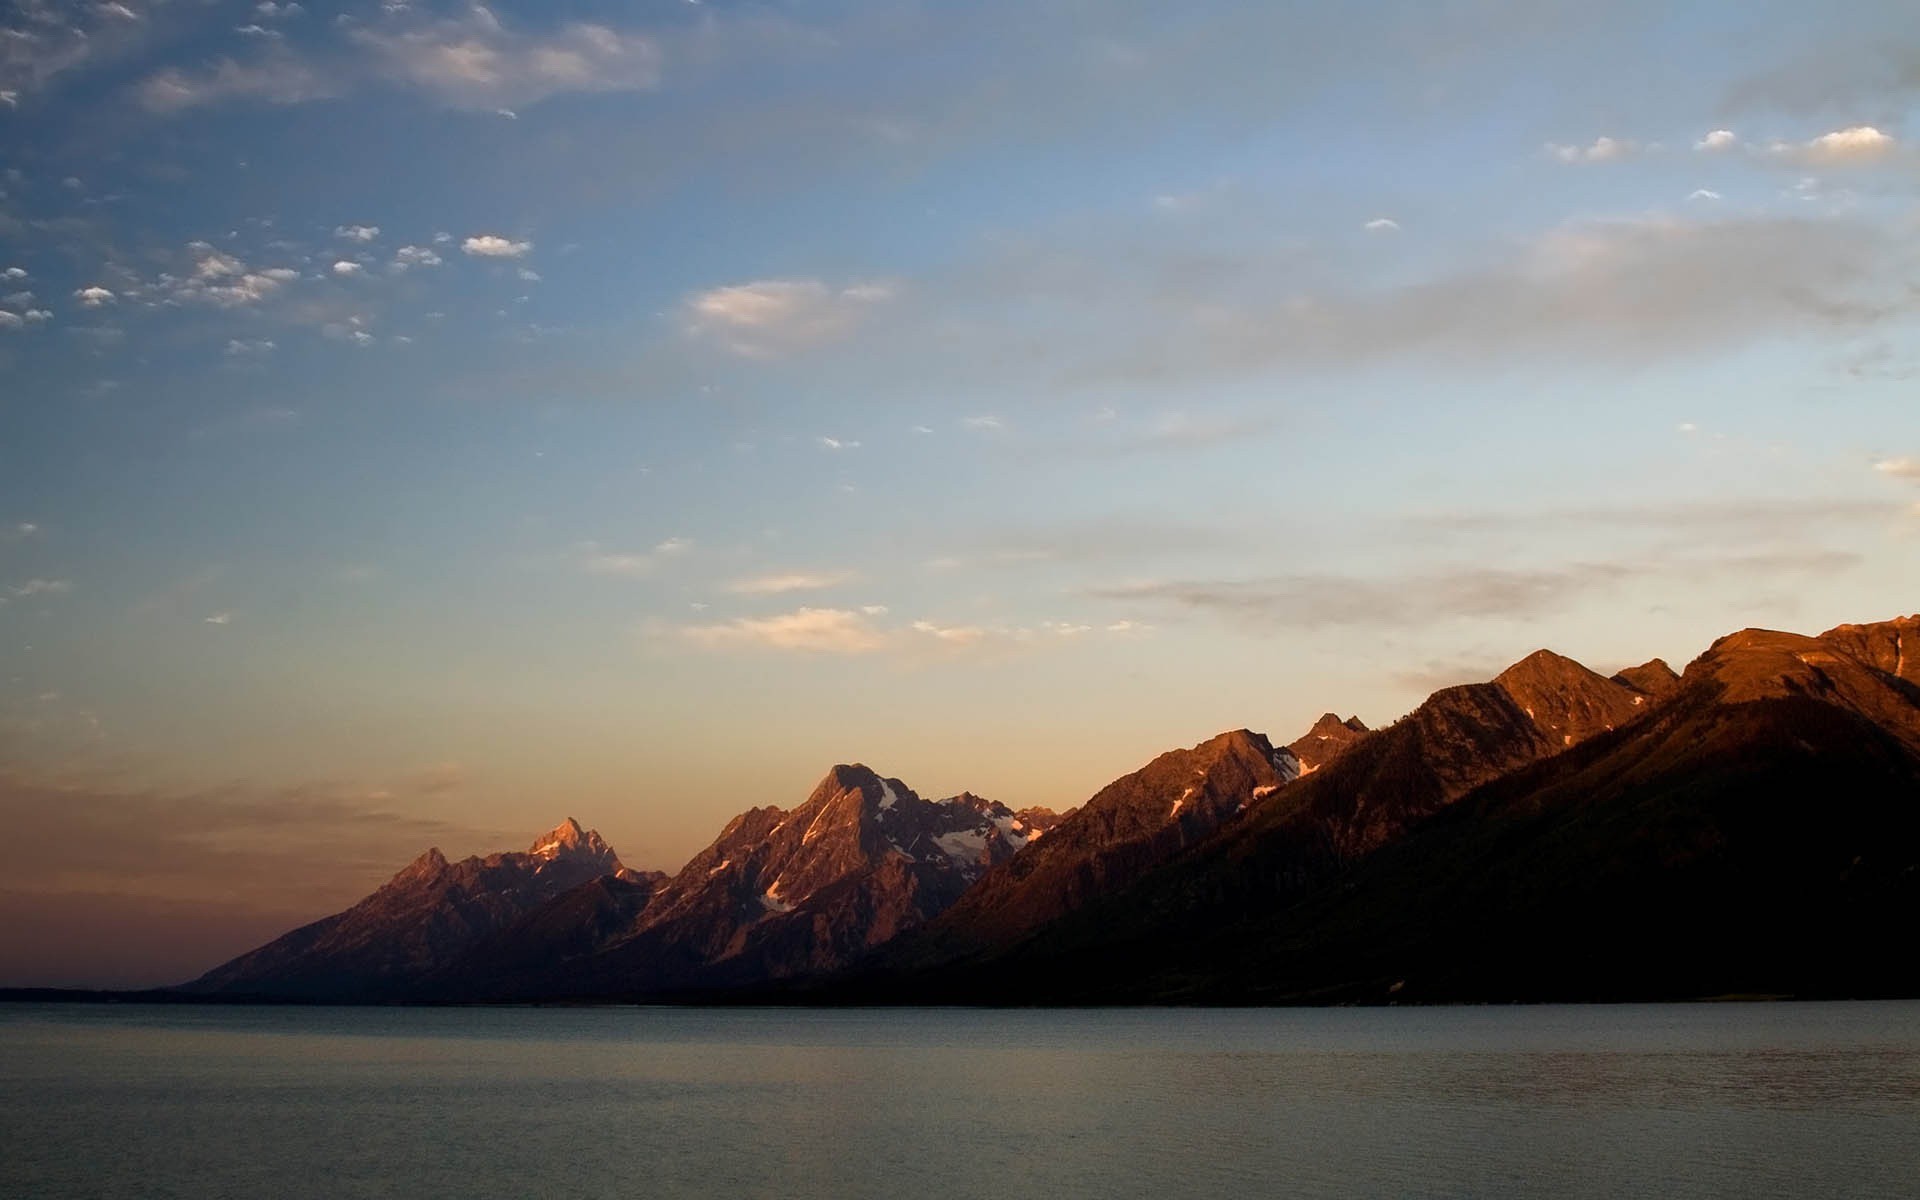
(1749, 826)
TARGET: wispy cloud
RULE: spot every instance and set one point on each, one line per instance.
(468, 60)
(474, 61)
(845, 631)
(772, 316)
(806, 630)
(1601, 149)
(40, 587)
(598, 561)
(791, 581)
(1423, 599)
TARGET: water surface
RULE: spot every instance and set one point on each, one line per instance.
(1683, 1100)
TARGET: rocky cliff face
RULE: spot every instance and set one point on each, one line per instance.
(1129, 827)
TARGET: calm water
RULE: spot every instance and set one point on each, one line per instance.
(1706, 1100)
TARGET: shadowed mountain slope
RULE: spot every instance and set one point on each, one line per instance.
(1758, 832)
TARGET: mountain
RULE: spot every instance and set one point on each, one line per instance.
(420, 922)
(779, 893)
(1129, 827)
(1329, 738)
(1755, 832)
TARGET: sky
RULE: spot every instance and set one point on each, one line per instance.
(421, 422)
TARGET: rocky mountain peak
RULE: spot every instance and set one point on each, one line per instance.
(1653, 679)
(568, 840)
(1565, 700)
(1328, 739)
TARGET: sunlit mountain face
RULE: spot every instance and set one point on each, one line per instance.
(422, 420)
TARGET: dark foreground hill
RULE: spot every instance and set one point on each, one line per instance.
(1756, 832)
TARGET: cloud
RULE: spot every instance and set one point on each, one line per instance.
(343, 267)
(278, 77)
(1422, 599)
(1616, 292)
(1382, 225)
(771, 316)
(629, 564)
(792, 581)
(356, 233)
(1904, 469)
(1717, 140)
(832, 443)
(1703, 194)
(1601, 149)
(40, 587)
(1861, 143)
(983, 424)
(487, 245)
(953, 635)
(414, 256)
(805, 630)
(1856, 145)
(841, 631)
(473, 61)
(94, 296)
(220, 618)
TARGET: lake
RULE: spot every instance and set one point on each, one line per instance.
(1647, 1100)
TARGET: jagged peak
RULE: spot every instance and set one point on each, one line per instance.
(570, 840)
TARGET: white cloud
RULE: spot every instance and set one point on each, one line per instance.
(1703, 194)
(94, 296)
(1382, 225)
(356, 233)
(11, 320)
(805, 630)
(983, 424)
(343, 267)
(14, 273)
(1602, 149)
(487, 245)
(1861, 143)
(832, 443)
(1719, 139)
(768, 316)
(795, 581)
(414, 256)
(1906, 469)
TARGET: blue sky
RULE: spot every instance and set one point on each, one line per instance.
(420, 422)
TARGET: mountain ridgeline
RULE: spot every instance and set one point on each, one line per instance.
(1750, 826)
